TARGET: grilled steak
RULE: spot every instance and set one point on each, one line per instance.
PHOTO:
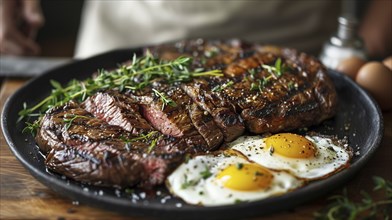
(133, 138)
(90, 150)
(301, 96)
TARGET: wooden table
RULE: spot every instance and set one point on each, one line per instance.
(22, 196)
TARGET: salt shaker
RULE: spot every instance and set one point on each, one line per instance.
(346, 43)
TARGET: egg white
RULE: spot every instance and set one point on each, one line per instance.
(211, 192)
(329, 158)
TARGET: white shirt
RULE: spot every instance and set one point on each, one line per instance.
(304, 25)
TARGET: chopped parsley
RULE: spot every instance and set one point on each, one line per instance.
(188, 183)
(206, 173)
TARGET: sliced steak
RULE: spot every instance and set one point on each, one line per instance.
(117, 109)
(89, 150)
(225, 118)
(173, 118)
(169, 118)
(206, 126)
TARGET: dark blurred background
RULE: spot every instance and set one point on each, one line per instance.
(62, 18)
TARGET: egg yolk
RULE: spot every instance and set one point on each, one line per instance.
(245, 177)
(290, 145)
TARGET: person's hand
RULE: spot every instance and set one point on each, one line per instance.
(19, 23)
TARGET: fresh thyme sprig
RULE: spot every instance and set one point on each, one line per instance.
(145, 137)
(136, 76)
(188, 183)
(205, 174)
(343, 208)
(31, 127)
(219, 88)
(275, 71)
(70, 118)
(152, 145)
(165, 100)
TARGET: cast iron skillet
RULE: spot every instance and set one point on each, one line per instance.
(356, 110)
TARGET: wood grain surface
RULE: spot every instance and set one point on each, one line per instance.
(23, 197)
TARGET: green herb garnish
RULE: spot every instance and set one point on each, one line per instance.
(70, 118)
(151, 136)
(206, 173)
(290, 86)
(136, 76)
(152, 145)
(252, 73)
(129, 191)
(165, 100)
(187, 183)
(237, 201)
(31, 127)
(277, 70)
(141, 137)
(219, 88)
(368, 208)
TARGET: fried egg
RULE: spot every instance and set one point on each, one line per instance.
(310, 157)
(212, 180)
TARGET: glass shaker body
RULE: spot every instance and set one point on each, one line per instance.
(346, 43)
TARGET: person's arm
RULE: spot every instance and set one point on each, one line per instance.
(19, 23)
(376, 28)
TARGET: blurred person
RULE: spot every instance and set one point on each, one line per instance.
(19, 23)
(108, 25)
(376, 28)
(304, 25)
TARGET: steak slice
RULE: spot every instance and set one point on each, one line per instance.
(117, 109)
(173, 118)
(206, 126)
(225, 118)
(170, 118)
(90, 150)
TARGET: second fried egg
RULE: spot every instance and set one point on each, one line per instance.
(309, 157)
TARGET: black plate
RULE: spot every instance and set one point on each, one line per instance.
(358, 118)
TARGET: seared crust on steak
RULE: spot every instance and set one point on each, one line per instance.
(131, 138)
